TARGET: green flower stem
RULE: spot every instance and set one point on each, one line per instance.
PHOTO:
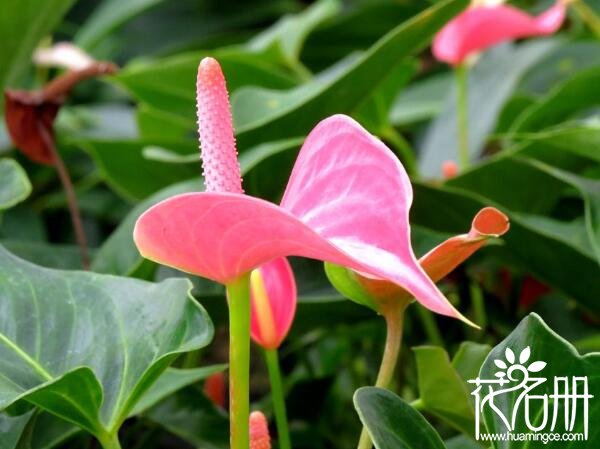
(238, 293)
(588, 16)
(278, 398)
(109, 441)
(394, 320)
(462, 114)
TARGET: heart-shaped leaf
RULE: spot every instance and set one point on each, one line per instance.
(553, 359)
(392, 423)
(14, 184)
(86, 346)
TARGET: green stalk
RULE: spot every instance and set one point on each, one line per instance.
(478, 305)
(278, 398)
(394, 320)
(109, 441)
(588, 16)
(462, 114)
(238, 293)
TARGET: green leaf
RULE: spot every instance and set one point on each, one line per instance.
(14, 184)
(421, 100)
(392, 423)
(192, 417)
(469, 358)
(107, 17)
(589, 189)
(294, 113)
(563, 102)
(285, 38)
(562, 360)
(123, 165)
(171, 381)
(441, 389)
(582, 139)
(11, 429)
(64, 257)
(494, 78)
(53, 319)
(22, 26)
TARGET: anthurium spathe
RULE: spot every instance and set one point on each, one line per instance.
(482, 26)
(347, 202)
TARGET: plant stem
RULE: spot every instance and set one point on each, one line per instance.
(110, 441)
(278, 398)
(588, 16)
(67, 184)
(238, 293)
(394, 320)
(462, 114)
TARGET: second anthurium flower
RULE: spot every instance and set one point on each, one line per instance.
(273, 295)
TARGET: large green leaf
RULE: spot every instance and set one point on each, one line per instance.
(86, 346)
(494, 78)
(531, 342)
(392, 423)
(14, 184)
(22, 25)
(344, 91)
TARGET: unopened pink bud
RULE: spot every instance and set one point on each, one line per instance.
(217, 142)
(259, 431)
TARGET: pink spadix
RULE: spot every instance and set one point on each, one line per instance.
(273, 294)
(259, 431)
(480, 27)
(347, 202)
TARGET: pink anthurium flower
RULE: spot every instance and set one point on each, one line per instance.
(482, 26)
(273, 295)
(347, 202)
